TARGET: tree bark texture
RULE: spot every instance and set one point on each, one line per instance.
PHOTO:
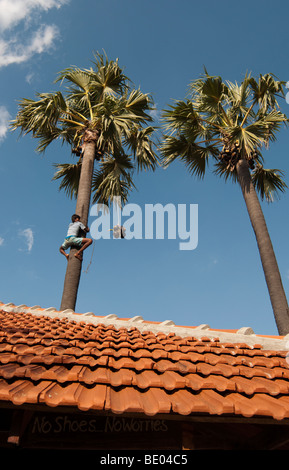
(267, 255)
(73, 271)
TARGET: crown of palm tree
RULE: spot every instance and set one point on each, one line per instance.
(226, 121)
(98, 103)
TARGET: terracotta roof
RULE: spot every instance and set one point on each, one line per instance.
(61, 358)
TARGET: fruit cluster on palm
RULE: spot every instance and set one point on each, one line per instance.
(106, 123)
(231, 124)
(231, 154)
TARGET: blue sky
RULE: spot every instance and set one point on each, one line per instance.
(162, 45)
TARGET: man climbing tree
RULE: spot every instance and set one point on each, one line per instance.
(105, 122)
(74, 238)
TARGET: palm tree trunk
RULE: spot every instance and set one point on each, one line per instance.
(73, 271)
(268, 259)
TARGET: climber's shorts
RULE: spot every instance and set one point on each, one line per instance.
(69, 241)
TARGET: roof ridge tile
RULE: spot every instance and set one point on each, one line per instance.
(244, 335)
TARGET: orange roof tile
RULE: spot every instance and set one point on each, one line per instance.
(63, 358)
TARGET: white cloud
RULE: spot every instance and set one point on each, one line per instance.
(28, 235)
(29, 77)
(13, 49)
(12, 12)
(4, 122)
(155, 114)
(12, 52)
(1, 241)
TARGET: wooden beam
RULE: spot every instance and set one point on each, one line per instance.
(187, 437)
(20, 420)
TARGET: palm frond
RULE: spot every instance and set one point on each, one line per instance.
(271, 123)
(194, 156)
(238, 101)
(113, 179)
(74, 76)
(181, 114)
(259, 132)
(208, 93)
(225, 171)
(265, 91)
(137, 105)
(37, 115)
(69, 175)
(45, 138)
(268, 182)
(108, 77)
(140, 142)
(249, 137)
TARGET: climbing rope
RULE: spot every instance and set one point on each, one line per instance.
(118, 232)
(87, 269)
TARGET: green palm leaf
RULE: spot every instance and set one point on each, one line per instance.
(140, 143)
(108, 77)
(182, 114)
(69, 175)
(113, 179)
(208, 93)
(194, 156)
(268, 182)
(39, 115)
(265, 90)
(138, 104)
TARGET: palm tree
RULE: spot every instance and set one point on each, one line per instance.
(105, 122)
(230, 124)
